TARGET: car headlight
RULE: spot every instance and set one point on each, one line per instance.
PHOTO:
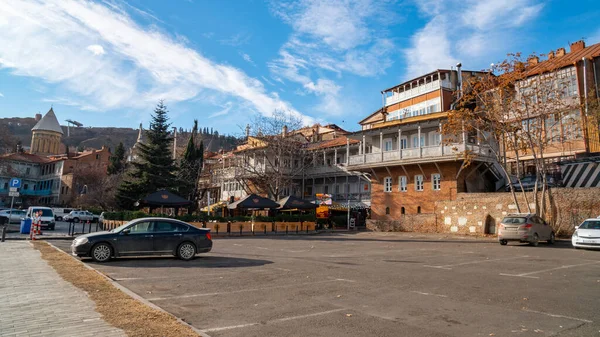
(80, 241)
(575, 234)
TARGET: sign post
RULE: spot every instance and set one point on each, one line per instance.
(14, 185)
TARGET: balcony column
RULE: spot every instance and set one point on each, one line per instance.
(464, 134)
(400, 143)
(441, 137)
(314, 155)
(334, 156)
(381, 144)
(324, 158)
(363, 149)
(419, 141)
(347, 151)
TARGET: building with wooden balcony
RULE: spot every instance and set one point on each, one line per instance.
(410, 163)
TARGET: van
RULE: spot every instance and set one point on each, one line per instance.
(47, 220)
(59, 213)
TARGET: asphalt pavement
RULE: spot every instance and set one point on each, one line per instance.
(373, 284)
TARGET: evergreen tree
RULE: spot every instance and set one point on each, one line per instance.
(190, 167)
(155, 168)
(117, 160)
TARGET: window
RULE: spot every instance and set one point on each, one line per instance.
(387, 144)
(387, 210)
(415, 141)
(26, 186)
(418, 209)
(169, 227)
(28, 170)
(141, 227)
(402, 211)
(402, 184)
(403, 143)
(387, 184)
(436, 181)
(418, 183)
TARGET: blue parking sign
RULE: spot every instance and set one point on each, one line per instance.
(15, 182)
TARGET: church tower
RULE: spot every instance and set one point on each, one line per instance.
(46, 135)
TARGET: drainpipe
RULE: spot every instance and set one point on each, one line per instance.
(585, 95)
(595, 79)
(459, 79)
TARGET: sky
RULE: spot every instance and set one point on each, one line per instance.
(107, 63)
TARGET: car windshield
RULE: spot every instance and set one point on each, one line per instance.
(120, 228)
(45, 212)
(590, 224)
(514, 220)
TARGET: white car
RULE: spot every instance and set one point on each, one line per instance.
(77, 216)
(15, 216)
(47, 218)
(587, 235)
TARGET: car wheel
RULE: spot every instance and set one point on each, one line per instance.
(59, 218)
(101, 252)
(76, 220)
(552, 239)
(186, 251)
(503, 242)
(535, 241)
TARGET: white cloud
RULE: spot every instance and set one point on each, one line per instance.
(96, 49)
(222, 112)
(248, 59)
(473, 30)
(70, 102)
(236, 40)
(1, 94)
(49, 40)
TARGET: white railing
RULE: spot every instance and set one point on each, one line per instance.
(425, 152)
(408, 94)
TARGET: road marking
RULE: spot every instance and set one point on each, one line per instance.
(428, 294)
(245, 290)
(558, 316)
(550, 269)
(285, 319)
(449, 266)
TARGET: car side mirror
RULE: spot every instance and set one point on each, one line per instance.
(126, 231)
(576, 227)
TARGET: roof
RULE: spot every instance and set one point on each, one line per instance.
(407, 120)
(428, 74)
(48, 123)
(566, 60)
(380, 110)
(26, 157)
(339, 141)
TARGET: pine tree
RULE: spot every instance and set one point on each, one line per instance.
(155, 168)
(190, 166)
(117, 161)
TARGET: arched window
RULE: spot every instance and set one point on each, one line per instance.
(402, 211)
(387, 210)
(419, 209)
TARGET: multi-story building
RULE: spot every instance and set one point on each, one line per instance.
(410, 163)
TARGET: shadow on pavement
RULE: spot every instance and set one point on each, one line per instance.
(202, 261)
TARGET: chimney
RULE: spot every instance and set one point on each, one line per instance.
(459, 80)
(284, 131)
(560, 52)
(551, 55)
(533, 60)
(577, 46)
(38, 117)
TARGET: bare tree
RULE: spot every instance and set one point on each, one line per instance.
(94, 188)
(273, 157)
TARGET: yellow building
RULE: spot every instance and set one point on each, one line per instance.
(46, 135)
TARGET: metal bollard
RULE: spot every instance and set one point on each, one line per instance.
(241, 227)
(286, 229)
(82, 227)
(89, 227)
(3, 233)
(265, 228)
(296, 229)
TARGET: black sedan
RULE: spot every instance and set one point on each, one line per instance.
(145, 236)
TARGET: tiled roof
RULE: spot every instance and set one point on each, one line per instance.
(25, 157)
(48, 123)
(339, 141)
(568, 59)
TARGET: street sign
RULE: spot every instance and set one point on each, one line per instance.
(13, 194)
(13, 189)
(15, 182)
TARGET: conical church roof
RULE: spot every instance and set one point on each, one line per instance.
(48, 123)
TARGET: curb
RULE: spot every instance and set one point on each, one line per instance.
(131, 293)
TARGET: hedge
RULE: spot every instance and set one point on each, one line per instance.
(129, 215)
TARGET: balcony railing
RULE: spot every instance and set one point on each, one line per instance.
(425, 152)
(30, 192)
(416, 91)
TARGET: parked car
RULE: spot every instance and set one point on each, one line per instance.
(47, 219)
(145, 236)
(60, 213)
(587, 234)
(528, 183)
(77, 216)
(15, 216)
(525, 227)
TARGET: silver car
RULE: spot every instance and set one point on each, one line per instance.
(587, 235)
(525, 227)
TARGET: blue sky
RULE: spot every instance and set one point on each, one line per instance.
(107, 63)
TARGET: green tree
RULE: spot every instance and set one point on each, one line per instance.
(155, 169)
(190, 167)
(117, 160)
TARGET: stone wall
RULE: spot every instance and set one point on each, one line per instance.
(423, 223)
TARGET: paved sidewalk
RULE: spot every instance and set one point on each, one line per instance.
(36, 301)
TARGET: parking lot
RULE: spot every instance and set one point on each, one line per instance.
(373, 284)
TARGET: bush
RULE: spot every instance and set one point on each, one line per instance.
(130, 215)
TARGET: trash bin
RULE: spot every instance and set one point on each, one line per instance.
(25, 226)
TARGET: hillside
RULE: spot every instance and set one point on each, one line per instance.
(96, 137)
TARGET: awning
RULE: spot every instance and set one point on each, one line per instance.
(219, 204)
(293, 202)
(356, 205)
(165, 198)
(253, 201)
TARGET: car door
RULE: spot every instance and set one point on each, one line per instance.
(540, 228)
(136, 239)
(168, 235)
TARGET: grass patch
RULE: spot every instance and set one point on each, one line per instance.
(116, 307)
